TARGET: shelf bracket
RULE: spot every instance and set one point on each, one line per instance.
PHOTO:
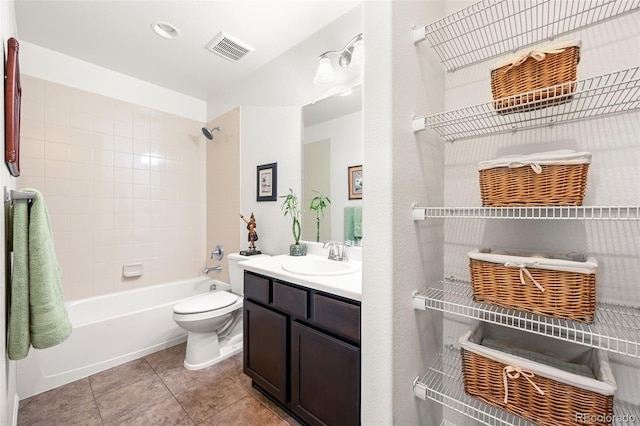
(418, 301)
(419, 389)
(418, 124)
(419, 33)
(418, 213)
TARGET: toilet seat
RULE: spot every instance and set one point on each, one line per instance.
(206, 303)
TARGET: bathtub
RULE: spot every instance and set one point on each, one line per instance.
(108, 331)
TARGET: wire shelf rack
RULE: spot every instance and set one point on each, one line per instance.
(492, 27)
(615, 328)
(598, 213)
(444, 384)
(596, 96)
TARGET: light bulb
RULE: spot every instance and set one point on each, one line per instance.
(325, 73)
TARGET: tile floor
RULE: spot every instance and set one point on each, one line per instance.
(156, 390)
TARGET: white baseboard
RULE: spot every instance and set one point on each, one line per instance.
(14, 417)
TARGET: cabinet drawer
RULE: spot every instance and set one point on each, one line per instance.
(336, 315)
(256, 288)
(290, 299)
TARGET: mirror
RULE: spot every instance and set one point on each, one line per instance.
(331, 144)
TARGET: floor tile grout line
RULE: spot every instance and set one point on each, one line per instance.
(170, 391)
(178, 401)
(95, 401)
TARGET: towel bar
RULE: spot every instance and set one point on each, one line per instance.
(12, 194)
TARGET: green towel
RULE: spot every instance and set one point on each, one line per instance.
(357, 223)
(48, 322)
(348, 224)
(18, 323)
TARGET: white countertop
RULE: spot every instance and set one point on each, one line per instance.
(348, 285)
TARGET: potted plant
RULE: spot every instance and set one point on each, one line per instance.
(318, 204)
(290, 206)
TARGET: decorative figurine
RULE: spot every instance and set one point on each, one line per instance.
(252, 236)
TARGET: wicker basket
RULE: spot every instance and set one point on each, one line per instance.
(555, 178)
(538, 378)
(525, 83)
(555, 286)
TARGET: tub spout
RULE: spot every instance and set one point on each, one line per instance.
(218, 269)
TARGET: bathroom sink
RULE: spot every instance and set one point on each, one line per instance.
(320, 266)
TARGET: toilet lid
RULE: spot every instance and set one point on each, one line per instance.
(206, 302)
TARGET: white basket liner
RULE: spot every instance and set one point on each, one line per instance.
(597, 360)
(578, 263)
(544, 47)
(548, 158)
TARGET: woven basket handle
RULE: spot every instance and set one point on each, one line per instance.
(524, 271)
(511, 372)
(537, 168)
(538, 55)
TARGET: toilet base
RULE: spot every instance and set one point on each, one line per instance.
(204, 350)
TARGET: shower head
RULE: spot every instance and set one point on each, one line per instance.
(209, 132)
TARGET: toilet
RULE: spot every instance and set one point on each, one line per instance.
(214, 319)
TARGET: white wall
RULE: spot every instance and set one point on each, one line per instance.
(287, 80)
(377, 254)
(269, 135)
(53, 66)
(8, 397)
(400, 256)
(345, 134)
(271, 103)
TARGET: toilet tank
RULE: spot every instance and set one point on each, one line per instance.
(236, 273)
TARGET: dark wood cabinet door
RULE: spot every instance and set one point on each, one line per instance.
(325, 378)
(265, 349)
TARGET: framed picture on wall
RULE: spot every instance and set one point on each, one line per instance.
(355, 182)
(267, 182)
(12, 99)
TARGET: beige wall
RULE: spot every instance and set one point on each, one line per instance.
(123, 184)
(223, 190)
(317, 177)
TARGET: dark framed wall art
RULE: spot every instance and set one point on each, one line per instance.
(267, 182)
(355, 182)
(12, 99)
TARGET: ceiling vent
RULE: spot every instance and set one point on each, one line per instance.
(228, 47)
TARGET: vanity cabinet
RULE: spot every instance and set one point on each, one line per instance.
(265, 349)
(325, 377)
(302, 348)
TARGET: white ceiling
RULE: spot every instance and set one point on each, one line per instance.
(117, 35)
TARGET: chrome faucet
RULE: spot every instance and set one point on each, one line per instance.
(337, 251)
(218, 269)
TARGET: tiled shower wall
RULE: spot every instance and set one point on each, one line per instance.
(223, 190)
(123, 184)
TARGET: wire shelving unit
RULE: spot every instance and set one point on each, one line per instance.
(485, 30)
(492, 27)
(615, 328)
(596, 96)
(595, 213)
(444, 384)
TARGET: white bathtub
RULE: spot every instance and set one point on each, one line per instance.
(107, 331)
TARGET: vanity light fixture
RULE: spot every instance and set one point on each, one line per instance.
(325, 73)
(165, 29)
(351, 56)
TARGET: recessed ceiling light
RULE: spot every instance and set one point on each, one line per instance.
(165, 29)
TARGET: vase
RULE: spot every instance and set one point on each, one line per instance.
(297, 250)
